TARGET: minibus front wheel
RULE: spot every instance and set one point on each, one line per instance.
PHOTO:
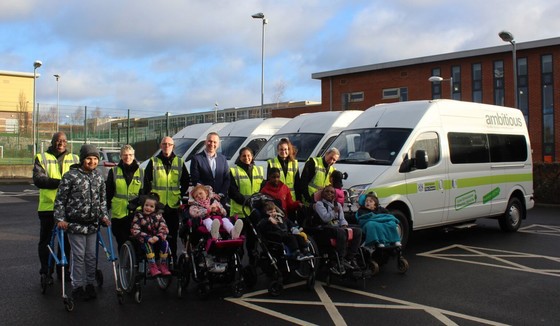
(515, 212)
(403, 227)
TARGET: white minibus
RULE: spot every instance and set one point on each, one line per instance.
(440, 162)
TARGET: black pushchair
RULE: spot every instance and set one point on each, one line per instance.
(273, 257)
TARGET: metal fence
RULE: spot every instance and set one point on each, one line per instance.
(105, 127)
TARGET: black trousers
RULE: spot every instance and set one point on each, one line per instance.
(121, 229)
(171, 216)
(46, 220)
(343, 248)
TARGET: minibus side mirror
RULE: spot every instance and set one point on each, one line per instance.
(421, 160)
(406, 164)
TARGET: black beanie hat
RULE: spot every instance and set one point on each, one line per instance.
(88, 150)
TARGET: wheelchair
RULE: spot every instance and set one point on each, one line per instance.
(133, 270)
(273, 257)
(209, 261)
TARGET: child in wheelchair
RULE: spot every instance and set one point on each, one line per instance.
(380, 227)
(329, 216)
(150, 229)
(276, 228)
(208, 209)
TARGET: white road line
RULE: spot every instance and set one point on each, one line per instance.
(493, 254)
(443, 316)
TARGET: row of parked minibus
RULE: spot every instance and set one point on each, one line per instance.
(431, 163)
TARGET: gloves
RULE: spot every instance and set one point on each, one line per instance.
(295, 230)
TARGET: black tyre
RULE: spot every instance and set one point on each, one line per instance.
(515, 212)
(374, 267)
(138, 295)
(249, 276)
(127, 267)
(183, 280)
(69, 304)
(402, 265)
(310, 283)
(404, 226)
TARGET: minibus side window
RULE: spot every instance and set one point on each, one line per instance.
(428, 142)
(468, 148)
(507, 148)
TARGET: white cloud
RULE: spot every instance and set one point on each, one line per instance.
(185, 55)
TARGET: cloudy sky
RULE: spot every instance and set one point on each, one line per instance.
(181, 56)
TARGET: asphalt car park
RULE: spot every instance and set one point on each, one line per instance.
(476, 276)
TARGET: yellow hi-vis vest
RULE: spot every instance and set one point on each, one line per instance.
(53, 171)
(167, 185)
(124, 192)
(322, 176)
(289, 178)
(246, 187)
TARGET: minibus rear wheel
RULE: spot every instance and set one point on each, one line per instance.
(511, 220)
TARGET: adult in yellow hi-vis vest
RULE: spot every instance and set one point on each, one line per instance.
(316, 174)
(288, 165)
(246, 179)
(124, 183)
(48, 169)
(167, 176)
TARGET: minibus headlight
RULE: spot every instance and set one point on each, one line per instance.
(353, 193)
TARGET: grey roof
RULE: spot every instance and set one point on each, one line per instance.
(438, 57)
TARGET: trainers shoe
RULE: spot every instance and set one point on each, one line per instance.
(215, 229)
(338, 270)
(154, 270)
(164, 269)
(237, 228)
(90, 292)
(380, 245)
(398, 244)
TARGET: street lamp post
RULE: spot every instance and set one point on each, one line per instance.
(438, 79)
(508, 37)
(57, 101)
(216, 112)
(260, 15)
(35, 120)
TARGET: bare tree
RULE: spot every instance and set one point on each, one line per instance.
(23, 113)
(279, 89)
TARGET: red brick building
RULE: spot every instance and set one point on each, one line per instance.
(482, 75)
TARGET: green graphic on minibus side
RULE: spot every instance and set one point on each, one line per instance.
(465, 200)
(491, 195)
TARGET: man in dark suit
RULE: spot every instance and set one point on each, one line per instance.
(211, 168)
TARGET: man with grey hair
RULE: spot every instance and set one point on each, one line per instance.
(316, 173)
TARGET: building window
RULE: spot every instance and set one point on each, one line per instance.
(347, 98)
(392, 93)
(523, 88)
(499, 83)
(547, 107)
(477, 82)
(436, 86)
(456, 83)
